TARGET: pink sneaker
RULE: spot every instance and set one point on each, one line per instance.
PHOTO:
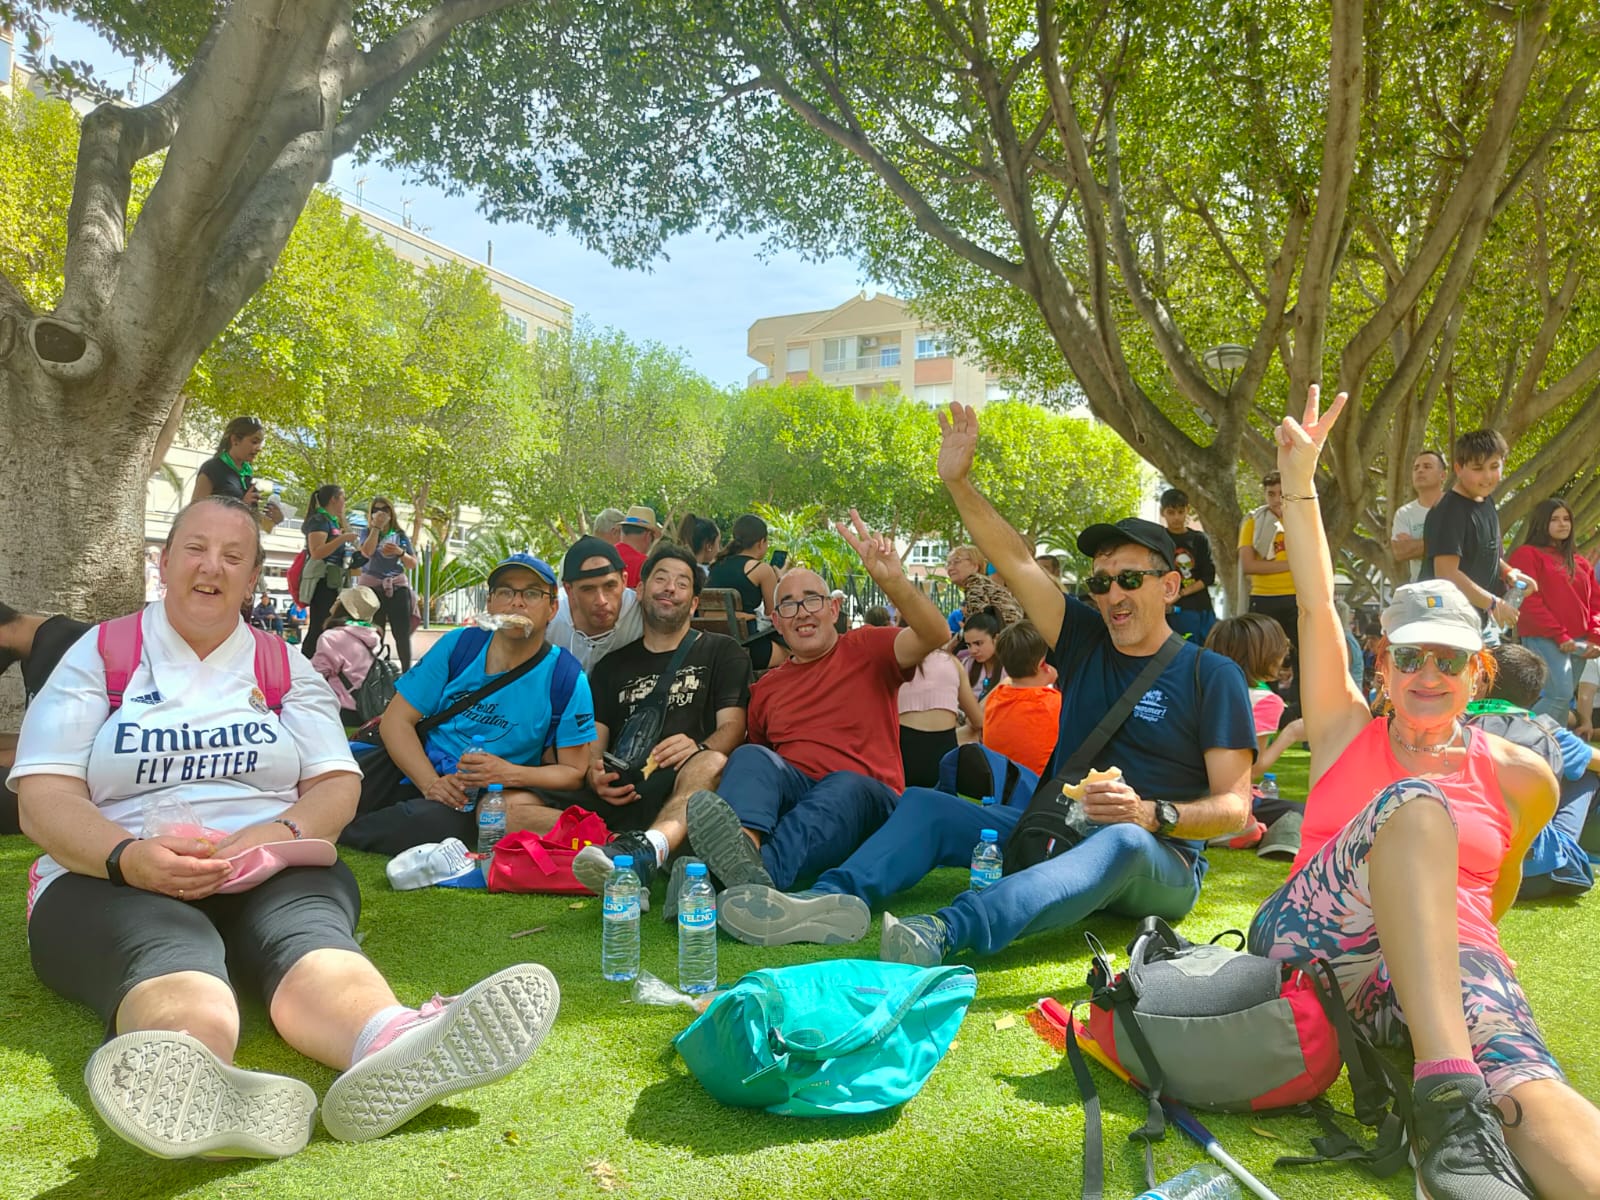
(449, 1045)
(1249, 838)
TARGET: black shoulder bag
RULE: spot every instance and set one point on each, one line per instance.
(641, 732)
(381, 775)
(1043, 831)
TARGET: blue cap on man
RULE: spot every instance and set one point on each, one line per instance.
(526, 562)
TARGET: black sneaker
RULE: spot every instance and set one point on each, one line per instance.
(1458, 1146)
(921, 940)
(719, 839)
(594, 864)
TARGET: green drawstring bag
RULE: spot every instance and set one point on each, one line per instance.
(846, 1035)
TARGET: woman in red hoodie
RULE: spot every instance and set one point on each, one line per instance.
(1559, 621)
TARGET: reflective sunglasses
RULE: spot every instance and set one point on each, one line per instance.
(1408, 660)
(1129, 581)
(530, 594)
(791, 607)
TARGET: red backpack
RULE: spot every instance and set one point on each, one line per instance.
(292, 577)
(121, 644)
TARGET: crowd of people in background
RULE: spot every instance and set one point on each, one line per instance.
(819, 765)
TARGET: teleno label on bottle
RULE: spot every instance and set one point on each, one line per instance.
(703, 917)
(620, 908)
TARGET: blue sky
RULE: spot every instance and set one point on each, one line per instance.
(700, 298)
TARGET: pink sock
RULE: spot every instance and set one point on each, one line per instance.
(1444, 1066)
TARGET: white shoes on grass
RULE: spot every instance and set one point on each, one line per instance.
(170, 1096)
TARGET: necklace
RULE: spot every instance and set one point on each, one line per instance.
(1439, 748)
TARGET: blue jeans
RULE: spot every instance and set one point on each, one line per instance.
(1561, 684)
(806, 825)
(1120, 868)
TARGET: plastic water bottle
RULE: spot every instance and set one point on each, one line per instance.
(472, 792)
(619, 922)
(1269, 786)
(1515, 597)
(988, 802)
(697, 932)
(491, 818)
(1204, 1182)
(986, 862)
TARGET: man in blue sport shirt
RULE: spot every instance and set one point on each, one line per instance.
(517, 723)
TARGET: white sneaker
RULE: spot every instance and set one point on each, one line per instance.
(448, 1045)
(170, 1096)
(429, 864)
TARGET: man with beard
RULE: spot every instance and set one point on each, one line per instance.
(823, 770)
(1184, 755)
(671, 739)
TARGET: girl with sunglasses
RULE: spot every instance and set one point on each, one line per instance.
(1414, 835)
(389, 556)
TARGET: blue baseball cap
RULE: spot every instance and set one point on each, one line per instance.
(526, 562)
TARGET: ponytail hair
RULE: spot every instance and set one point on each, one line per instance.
(239, 427)
(749, 530)
(325, 493)
(696, 533)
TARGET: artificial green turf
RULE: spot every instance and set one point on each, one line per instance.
(606, 1101)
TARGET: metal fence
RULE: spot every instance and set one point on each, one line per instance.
(862, 592)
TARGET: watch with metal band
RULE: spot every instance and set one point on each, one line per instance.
(1166, 817)
(114, 862)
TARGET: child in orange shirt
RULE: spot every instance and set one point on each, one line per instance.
(1022, 714)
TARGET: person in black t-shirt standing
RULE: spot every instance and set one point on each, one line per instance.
(1193, 615)
(37, 642)
(683, 750)
(231, 471)
(1461, 537)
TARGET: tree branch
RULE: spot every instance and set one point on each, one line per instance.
(413, 45)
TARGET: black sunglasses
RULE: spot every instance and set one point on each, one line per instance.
(1129, 581)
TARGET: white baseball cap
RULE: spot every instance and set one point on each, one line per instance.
(1432, 613)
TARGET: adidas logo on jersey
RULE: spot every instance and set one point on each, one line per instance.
(147, 698)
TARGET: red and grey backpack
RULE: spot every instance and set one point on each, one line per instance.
(1214, 1027)
(121, 645)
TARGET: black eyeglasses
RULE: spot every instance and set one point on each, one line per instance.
(378, 508)
(1129, 581)
(530, 594)
(791, 607)
(1408, 660)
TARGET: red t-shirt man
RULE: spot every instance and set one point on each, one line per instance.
(632, 563)
(839, 712)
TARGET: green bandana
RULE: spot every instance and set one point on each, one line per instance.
(330, 517)
(1496, 706)
(244, 470)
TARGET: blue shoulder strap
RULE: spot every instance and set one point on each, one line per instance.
(563, 682)
(467, 646)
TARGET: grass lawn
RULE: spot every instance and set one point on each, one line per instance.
(606, 1107)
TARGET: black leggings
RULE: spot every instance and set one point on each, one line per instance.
(321, 605)
(920, 752)
(394, 611)
(92, 942)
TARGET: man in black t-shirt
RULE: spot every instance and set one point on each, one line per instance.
(37, 642)
(1193, 614)
(1461, 536)
(677, 743)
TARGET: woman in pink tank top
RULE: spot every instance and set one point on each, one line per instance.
(1412, 848)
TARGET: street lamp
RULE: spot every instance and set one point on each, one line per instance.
(1226, 360)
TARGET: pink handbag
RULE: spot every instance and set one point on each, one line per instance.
(529, 862)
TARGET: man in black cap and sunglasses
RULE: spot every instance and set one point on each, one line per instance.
(1183, 749)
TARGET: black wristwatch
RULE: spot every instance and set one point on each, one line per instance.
(1166, 817)
(114, 862)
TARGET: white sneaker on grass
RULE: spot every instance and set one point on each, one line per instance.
(168, 1094)
(449, 1045)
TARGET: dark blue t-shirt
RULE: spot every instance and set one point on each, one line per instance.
(1161, 746)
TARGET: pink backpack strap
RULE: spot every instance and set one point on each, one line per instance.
(121, 645)
(272, 667)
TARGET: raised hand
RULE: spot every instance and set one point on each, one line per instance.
(876, 550)
(958, 442)
(1300, 442)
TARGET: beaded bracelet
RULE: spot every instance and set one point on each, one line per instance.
(292, 827)
(1312, 496)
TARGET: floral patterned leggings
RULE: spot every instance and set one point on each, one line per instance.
(1324, 911)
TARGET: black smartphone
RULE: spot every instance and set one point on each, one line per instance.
(779, 557)
(626, 773)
